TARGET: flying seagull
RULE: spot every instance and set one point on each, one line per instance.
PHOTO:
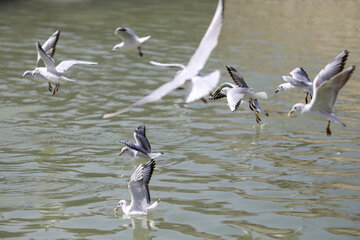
(139, 191)
(326, 86)
(238, 93)
(51, 73)
(130, 39)
(299, 80)
(142, 147)
(198, 85)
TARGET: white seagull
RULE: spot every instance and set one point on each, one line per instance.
(237, 94)
(130, 39)
(51, 73)
(326, 86)
(299, 80)
(139, 191)
(198, 85)
(142, 147)
(49, 47)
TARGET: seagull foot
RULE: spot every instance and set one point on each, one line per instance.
(328, 131)
(50, 87)
(140, 52)
(204, 100)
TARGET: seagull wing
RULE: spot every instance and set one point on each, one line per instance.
(126, 34)
(177, 65)
(331, 69)
(140, 138)
(234, 97)
(259, 108)
(208, 42)
(139, 186)
(49, 62)
(135, 147)
(326, 94)
(300, 74)
(65, 65)
(156, 94)
(217, 94)
(49, 46)
(200, 86)
(235, 75)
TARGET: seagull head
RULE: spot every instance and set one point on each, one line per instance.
(124, 150)
(297, 108)
(27, 74)
(120, 205)
(280, 87)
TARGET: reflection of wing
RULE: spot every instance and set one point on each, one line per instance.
(300, 74)
(325, 95)
(156, 94)
(141, 139)
(168, 64)
(234, 97)
(208, 42)
(201, 86)
(331, 69)
(135, 147)
(65, 65)
(49, 62)
(49, 46)
(235, 75)
(139, 186)
(218, 94)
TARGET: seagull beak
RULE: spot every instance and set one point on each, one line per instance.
(121, 153)
(116, 209)
(22, 76)
(277, 90)
(290, 113)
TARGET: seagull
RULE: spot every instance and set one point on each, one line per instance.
(236, 94)
(326, 86)
(50, 73)
(299, 80)
(139, 191)
(198, 85)
(49, 46)
(130, 39)
(142, 147)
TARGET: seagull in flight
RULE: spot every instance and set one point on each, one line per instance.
(51, 73)
(139, 191)
(238, 92)
(198, 85)
(326, 86)
(130, 39)
(299, 80)
(142, 147)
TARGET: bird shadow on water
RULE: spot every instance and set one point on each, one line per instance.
(142, 226)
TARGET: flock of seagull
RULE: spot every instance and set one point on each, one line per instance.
(323, 92)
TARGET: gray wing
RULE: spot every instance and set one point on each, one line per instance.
(49, 46)
(177, 65)
(49, 62)
(217, 94)
(201, 86)
(139, 186)
(65, 65)
(297, 82)
(258, 107)
(141, 139)
(300, 74)
(326, 95)
(156, 94)
(126, 34)
(208, 42)
(331, 69)
(235, 75)
(234, 97)
(135, 147)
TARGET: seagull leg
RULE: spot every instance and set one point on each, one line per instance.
(251, 105)
(140, 52)
(50, 87)
(328, 132)
(56, 88)
(204, 100)
(306, 98)
(258, 119)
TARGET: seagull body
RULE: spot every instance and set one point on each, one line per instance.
(236, 95)
(130, 39)
(190, 73)
(139, 191)
(51, 73)
(326, 86)
(142, 148)
(298, 81)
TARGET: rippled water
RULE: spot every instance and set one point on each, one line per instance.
(222, 176)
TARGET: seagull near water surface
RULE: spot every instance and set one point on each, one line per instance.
(142, 148)
(326, 87)
(236, 94)
(130, 39)
(51, 73)
(139, 191)
(198, 85)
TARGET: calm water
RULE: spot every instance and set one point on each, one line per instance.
(222, 176)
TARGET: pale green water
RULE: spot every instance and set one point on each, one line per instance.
(222, 176)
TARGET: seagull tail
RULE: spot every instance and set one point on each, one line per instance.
(143, 39)
(261, 95)
(154, 155)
